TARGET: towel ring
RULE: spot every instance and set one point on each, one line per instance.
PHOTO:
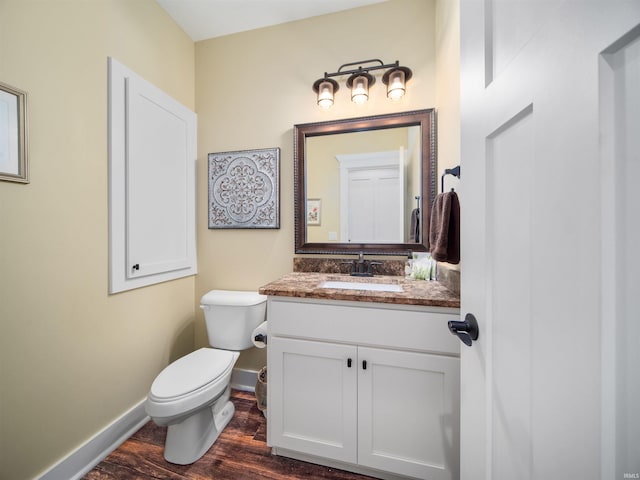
(449, 171)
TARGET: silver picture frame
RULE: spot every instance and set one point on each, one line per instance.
(14, 164)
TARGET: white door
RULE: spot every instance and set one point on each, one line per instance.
(159, 176)
(372, 186)
(374, 206)
(550, 120)
(152, 183)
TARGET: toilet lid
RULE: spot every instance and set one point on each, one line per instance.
(191, 372)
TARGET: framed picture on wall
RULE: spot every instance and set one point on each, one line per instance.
(244, 189)
(314, 211)
(13, 135)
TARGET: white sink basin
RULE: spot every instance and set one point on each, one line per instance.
(374, 287)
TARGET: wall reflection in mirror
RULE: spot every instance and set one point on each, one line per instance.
(365, 184)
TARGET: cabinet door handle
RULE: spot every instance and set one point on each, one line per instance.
(364, 364)
(348, 363)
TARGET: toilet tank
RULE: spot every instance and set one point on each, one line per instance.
(231, 317)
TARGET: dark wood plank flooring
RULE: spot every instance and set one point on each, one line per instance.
(239, 453)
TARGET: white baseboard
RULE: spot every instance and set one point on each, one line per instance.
(75, 465)
(244, 380)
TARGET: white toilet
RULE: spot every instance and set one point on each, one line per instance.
(191, 395)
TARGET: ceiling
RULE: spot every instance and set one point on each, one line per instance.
(202, 19)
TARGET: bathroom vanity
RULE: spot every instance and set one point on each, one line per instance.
(361, 379)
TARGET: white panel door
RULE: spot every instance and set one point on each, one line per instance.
(372, 186)
(620, 124)
(313, 409)
(374, 206)
(152, 156)
(541, 396)
(158, 190)
(408, 413)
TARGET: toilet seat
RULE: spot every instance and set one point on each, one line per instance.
(190, 382)
(190, 373)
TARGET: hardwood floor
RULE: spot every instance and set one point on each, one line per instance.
(239, 453)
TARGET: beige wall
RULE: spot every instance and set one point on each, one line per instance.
(252, 87)
(448, 87)
(73, 358)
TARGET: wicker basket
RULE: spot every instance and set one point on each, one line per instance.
(261, 390)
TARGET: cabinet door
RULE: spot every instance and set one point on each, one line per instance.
(152, 183)
(408, 413)
(313, 398)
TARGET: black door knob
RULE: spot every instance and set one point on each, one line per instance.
(466, 331)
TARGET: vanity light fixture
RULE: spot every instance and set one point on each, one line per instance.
(359, 84)
(360, 80)
(396, 81)
(326, 89)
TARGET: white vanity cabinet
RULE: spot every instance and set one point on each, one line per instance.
(367, 387)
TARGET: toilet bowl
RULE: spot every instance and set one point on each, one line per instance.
(191, 395)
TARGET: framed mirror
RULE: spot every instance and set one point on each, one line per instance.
(365, 184)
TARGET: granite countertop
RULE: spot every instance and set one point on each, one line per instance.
(415, 292)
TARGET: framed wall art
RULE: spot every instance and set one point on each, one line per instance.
(314, 211)
(244, 189)
(14, 165)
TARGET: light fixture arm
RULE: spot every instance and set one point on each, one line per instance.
(361, 67)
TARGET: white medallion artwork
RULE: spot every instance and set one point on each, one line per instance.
(244, 189)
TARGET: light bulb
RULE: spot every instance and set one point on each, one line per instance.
(325, 95)
(396, 87)
(360, 90)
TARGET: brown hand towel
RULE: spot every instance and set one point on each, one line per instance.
(414, 229)
(444, 231)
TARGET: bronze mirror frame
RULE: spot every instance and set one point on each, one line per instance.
(425, 119)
